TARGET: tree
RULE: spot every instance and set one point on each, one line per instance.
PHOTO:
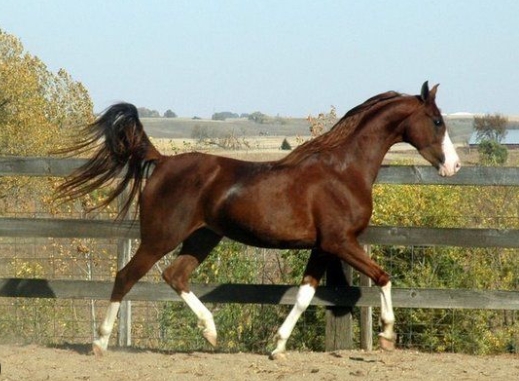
(170, 114)
(285, 145)
(224, 115)
(258, 117)
(39, 111)
(490, 127)
(490, 131)
(38, 107)
(147, 113)
(322, 123)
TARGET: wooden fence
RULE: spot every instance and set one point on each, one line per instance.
(333, 296)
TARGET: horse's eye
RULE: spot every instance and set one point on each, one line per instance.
(437, 122)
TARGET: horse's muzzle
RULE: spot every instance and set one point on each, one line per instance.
(449, 168)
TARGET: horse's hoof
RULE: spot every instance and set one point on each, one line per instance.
(98, 351)
(386, 344)
(211, 338)
(278, 356)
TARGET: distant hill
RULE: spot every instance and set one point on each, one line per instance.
(175, 128)
(460, 127)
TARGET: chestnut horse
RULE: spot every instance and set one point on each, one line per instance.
(318, 197)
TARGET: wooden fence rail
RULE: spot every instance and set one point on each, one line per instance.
(266, 294)
(327, 296)
(379, 235)
(330, 296)
(405, 174)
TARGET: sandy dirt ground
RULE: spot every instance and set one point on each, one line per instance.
(19, 363)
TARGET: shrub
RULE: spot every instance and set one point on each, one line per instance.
(285, 145)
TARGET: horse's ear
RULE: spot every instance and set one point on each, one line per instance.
(432, 92)
(426, 94)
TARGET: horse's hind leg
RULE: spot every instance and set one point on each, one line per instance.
(194, 250)
(313, 273)
(387, 317)
(145, 257)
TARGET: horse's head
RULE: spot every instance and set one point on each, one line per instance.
(426, 131)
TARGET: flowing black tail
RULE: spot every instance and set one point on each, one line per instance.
(119, 142)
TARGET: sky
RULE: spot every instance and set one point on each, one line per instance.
(291, 58)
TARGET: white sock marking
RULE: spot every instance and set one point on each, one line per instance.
(303, 299)
(105, 329)
(386, 314)
(205, 316)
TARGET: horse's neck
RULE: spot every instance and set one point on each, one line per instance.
(366, 148)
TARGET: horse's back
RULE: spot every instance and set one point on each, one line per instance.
(193, 178)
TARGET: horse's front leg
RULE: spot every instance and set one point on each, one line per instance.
(351, 252)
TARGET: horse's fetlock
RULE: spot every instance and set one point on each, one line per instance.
(104, 331)
(383, 280)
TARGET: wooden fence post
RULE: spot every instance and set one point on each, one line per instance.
(124, 248)
(366, 314)
(339, 321)
(339, 329)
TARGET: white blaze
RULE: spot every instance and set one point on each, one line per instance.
(452, 161)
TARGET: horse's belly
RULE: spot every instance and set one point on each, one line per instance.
(269, 235)
(271, 242)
